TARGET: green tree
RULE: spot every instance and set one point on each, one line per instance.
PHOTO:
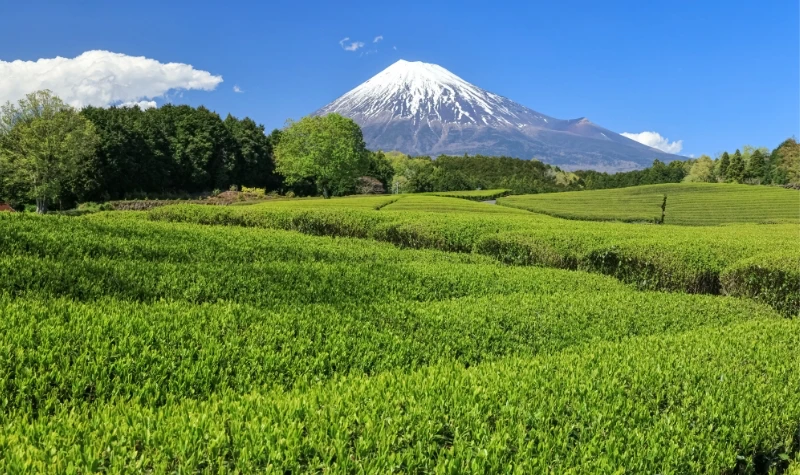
(419, 175)
(702, 171)
(46, 149)
(756, 168)
(722, 166)
(380, 167)
(735, 172)
(785, 163)
(254, 165)
(329, 150)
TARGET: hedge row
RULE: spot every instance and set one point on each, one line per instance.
(724, 400)
(690, 259)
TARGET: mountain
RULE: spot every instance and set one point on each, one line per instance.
(423, 109)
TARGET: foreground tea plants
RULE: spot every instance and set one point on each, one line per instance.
(56, 353)
(148, 342)
(723, 400)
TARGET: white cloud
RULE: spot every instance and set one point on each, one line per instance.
(352, 46)
(655, 140)
(238, 89)
(142, 104)
(101, 78)
(378, 38)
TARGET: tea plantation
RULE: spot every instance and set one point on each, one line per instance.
(396, 334)
(695, 204)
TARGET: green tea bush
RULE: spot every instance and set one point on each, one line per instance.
(439, 204)
(691, 204)
(722, 400)
(56, 352)
(771, 278)
(474, 195)
(673, 258)
(148, 342)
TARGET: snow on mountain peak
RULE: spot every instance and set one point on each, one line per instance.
(426, 92)
(424, 109)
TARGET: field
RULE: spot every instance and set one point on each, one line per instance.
(410, 333)
(687, 204)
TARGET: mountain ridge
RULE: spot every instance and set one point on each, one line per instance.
(423, 109)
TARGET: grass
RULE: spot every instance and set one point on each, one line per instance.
(696, 204)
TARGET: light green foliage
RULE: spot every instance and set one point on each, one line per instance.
(474, 195)
(45, 148)
(707, 401)
(687, 204)
(785, 163)
(678, 258)
(450, 204)
(202, 339)
(702, 171)
(773, 278)
(329, 150)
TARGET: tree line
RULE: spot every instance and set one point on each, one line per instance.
(54, 155)
(750, 165)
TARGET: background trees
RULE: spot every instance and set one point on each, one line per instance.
(46, 148)
(327, 150)
(178, 149)
(702, 170)
(53, 155)
(784, 163)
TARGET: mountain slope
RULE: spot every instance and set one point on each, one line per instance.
(424, 109)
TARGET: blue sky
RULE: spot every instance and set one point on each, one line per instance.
(715, 75)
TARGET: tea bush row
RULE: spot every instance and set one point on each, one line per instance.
(474, 195)
(693, 204)
(55, 352)
(690, 259)
(722, 400)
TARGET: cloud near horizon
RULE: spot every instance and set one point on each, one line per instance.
(142, 104)
(102, 78)
(655, 140)
(352, 46)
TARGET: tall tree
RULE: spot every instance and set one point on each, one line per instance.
(254, 165)
(329, 150)
(756, 168)
(46, 149)
(735, 172)
(722, 166)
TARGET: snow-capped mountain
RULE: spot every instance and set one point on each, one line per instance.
(424, 109)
